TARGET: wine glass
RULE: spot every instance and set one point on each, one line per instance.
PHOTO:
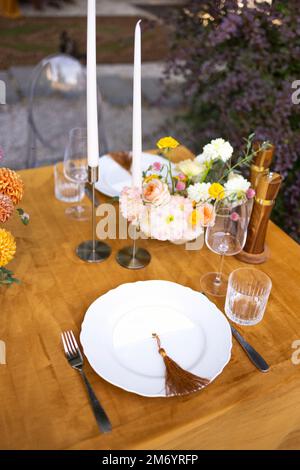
(76, 169)
(226, 237)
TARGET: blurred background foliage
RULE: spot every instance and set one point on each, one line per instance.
(239, 62)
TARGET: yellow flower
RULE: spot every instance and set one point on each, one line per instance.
(167, 143)
(7, 247)
(150, 177)
(216, 191)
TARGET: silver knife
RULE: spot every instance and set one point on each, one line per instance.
(89, 193)
(253, 355)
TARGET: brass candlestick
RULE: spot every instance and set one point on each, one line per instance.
(93, 251)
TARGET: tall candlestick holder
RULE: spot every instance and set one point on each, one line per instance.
(93, 251)
(132, 257)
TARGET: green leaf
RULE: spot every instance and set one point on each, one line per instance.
(6, 271)
(6, 277)
(24, 219)
(115, 199)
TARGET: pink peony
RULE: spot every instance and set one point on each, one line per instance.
(180, 186)
(156, 192)
(157, 166)
(181, 177)
(131, 204)
(250, 193)
(170, 221)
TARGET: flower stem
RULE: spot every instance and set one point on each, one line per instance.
(239, 163)
(247, 158)
(171, 176)
(204, 176)
(166, 151)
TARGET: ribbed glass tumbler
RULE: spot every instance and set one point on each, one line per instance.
(247, 296)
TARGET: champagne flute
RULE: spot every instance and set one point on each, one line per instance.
(226, 237)
(76, 169)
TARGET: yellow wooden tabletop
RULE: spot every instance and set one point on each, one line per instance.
(43, 402)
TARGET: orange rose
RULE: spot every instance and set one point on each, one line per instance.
(204, 215)
(156, 192)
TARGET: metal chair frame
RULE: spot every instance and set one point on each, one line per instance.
(34, 134)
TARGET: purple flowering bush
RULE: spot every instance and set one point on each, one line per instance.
(239, 63)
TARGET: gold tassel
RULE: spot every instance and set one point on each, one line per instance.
(178, 380)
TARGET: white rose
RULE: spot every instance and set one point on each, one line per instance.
(236, 183)
(199, 192)
(217, 149)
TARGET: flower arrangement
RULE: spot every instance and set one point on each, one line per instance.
(176, 202)
(11, 193)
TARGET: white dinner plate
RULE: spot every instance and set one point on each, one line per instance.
(117, 332)
(113, 177)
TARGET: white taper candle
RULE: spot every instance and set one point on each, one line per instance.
(92, 110)
(137, 111)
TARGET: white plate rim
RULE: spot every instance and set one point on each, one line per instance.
(158, 395)
(106, 190)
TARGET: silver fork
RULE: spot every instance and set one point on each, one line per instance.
(75, 359)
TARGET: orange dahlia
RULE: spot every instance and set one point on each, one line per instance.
(6, 208)
(7, 247)
(11, 185)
